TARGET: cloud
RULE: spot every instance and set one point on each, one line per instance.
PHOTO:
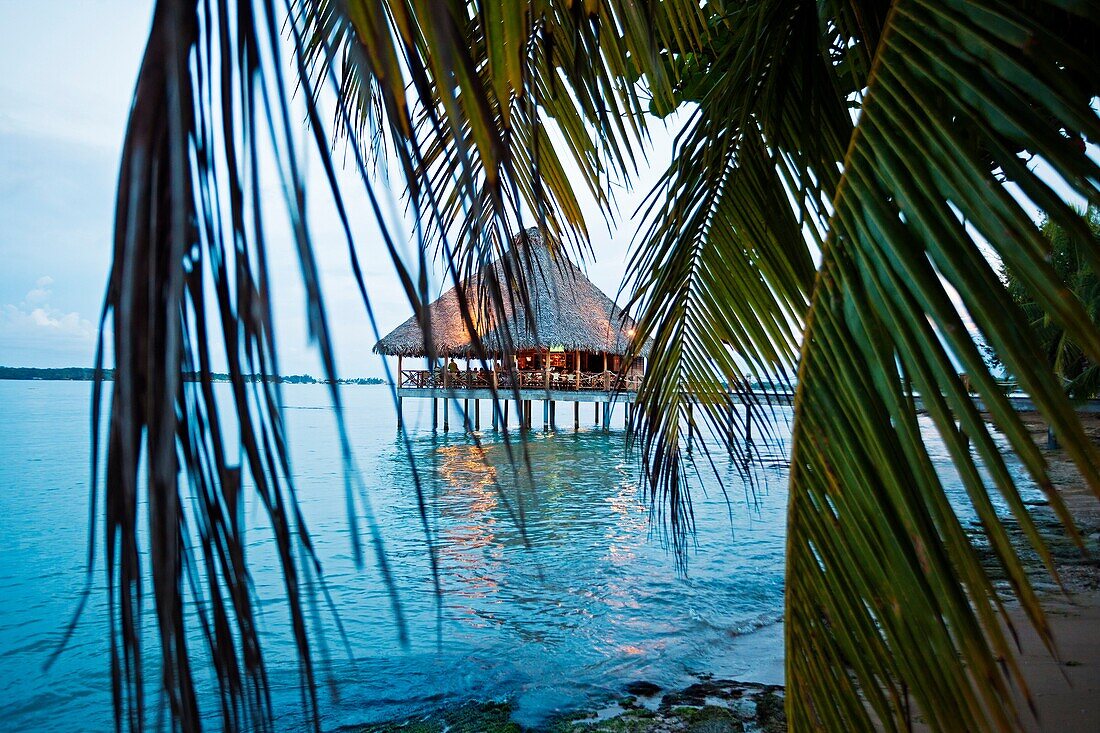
(33, 332)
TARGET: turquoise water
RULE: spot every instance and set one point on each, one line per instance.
(595, 602)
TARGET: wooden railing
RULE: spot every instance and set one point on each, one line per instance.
(477, 379)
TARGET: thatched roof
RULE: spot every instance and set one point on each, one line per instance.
(568, 312)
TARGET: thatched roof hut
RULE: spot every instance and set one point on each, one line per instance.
(569, 313)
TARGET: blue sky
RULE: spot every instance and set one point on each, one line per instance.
(64, 96)
(63, 103)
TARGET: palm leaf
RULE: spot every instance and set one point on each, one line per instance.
(886, 598)
(877, 559)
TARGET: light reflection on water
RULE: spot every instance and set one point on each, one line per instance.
(553, 615)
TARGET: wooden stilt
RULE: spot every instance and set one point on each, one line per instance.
(691, 428)
(466, 415)
(596, 413)
(576, 414)
(546, 415)
(446, 415)
(435, 413)
(477, 414)
(606, 416)
(553, 415)
(505, 415)
(399, 416)
(729, 428)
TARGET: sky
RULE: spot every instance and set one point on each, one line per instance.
(64, 97)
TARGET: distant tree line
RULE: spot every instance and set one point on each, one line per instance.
(87, 374)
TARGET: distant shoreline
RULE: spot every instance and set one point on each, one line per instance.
(87, 374)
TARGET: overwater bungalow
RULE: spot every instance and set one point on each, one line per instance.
(566, 345)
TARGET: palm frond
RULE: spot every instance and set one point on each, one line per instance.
(886, 597)
(722, 274)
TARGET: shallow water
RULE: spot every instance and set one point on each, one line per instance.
(592, 601)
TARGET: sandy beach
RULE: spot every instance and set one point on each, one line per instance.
(1066, 690)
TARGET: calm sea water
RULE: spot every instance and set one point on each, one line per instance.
(595, 601)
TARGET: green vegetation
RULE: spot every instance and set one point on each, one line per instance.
(489, 717)
(84, 374)
(839, 168)
(1070, 256)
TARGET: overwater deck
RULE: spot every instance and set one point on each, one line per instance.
(604, 389)
(415, 380)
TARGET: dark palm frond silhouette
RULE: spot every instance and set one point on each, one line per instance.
(825, 213)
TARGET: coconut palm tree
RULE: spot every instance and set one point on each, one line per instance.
(847, 177)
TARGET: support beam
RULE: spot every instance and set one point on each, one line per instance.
(729, 428)
(546, 415)
(596, 413)
(466, 415)
(576, 415)
(505, 415)
(553, 415)
(691, 427)
(435, 413)
(477, 415)
(606, 416)
(446, 414)
(399, 416)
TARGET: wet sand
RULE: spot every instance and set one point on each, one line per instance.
(1066, 689)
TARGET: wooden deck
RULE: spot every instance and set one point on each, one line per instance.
(424, 383)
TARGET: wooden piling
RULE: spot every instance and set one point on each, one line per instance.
(691, 427)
